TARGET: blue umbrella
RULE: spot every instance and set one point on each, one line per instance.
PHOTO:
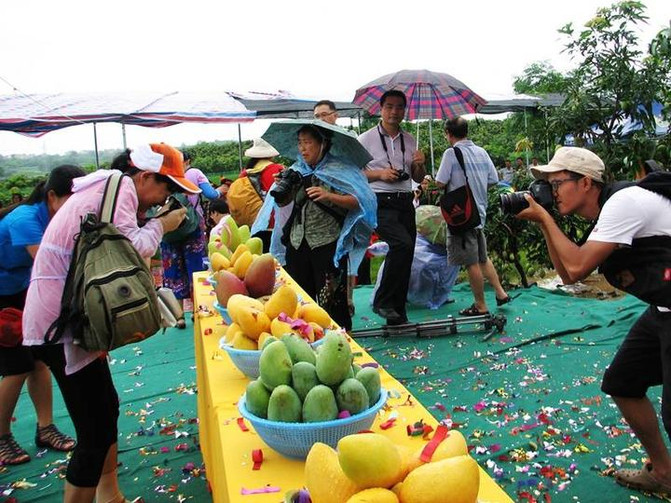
(344, 144)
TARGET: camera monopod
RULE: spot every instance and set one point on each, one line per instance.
(436, 328)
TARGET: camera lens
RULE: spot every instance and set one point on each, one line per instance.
(512, 204)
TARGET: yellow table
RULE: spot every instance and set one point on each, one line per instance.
(227, 449)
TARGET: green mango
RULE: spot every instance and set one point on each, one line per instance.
(355, 368)
(255, 245)
(243, 233)
(334, 359)
(284, 405)
(352, 396)
(275, 366)
(304, 378)
(234, 238)
(256, 399)
(320, 405)
(370, 378)
(299, 349)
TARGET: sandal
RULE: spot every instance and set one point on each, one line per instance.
(11, 453)
(505, 300)
(642, 480)
(50, 438)
(473, 311)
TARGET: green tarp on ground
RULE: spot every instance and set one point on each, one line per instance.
(158, 429)
(528, 401)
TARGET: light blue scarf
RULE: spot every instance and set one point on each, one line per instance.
(359, 223)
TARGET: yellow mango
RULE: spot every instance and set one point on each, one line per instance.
(253, 322)
(370, 460)
(231, 330)
(279, 328)
(284, 300)
(242, 264)
(218, 262)
(242, 248)
(237, 303)
(409, 459)
(374, 495)
(324, 477)
(314, 312)
(456, 480)
(241, 341)
(453, 445)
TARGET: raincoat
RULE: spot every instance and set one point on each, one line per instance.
(359, 223)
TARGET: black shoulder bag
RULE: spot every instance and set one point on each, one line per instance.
(458, 206)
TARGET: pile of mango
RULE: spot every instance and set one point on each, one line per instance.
(299, 384)
(231, 237)
(370, 468)
(256, 322)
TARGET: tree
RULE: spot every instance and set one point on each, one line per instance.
(612, 81)
(540, 78)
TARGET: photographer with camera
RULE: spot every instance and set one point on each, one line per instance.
(469, 249)
(627, 218)
(332, 219)
(395, 160)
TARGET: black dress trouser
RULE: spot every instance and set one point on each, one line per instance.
(396, 226)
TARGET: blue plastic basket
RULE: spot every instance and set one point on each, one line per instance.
(223, 312)
(294, 440)
(247, 360)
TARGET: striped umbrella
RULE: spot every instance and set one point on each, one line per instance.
(430, 95)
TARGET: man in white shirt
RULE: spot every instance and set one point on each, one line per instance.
(395, 161)
(623, 219)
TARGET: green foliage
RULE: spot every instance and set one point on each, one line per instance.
(517, 247)
(216, 157)
(613, 80)
(540, 78)
(20, 183)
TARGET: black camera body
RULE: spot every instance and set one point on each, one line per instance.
(174, 204)
(540, 190)
(402, 175)
(287, 184)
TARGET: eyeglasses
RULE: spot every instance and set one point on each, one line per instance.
(555, 184)
(323, 115)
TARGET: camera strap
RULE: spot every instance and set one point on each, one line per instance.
(386, 151)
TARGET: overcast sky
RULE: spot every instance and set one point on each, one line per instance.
(314, 49)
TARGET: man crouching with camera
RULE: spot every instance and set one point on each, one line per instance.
(631, 222)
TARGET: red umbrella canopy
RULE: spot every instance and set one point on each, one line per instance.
(430, 95)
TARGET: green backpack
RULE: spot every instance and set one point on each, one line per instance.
(109, 299)
(189, 224)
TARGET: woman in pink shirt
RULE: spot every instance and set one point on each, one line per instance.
(154, 172)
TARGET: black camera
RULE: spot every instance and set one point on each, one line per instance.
(174, 204)
(287, 184)
(540, 190)
(402, 175)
